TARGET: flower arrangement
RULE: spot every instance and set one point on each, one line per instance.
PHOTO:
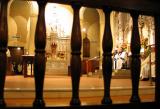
(144, 44)
(124, 46)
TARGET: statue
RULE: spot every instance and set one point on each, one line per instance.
(53, 49)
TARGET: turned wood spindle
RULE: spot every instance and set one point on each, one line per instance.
(135, 61)
(157, 58)
(75, 55)
(107, 45)
(39, 60)
(3, 48)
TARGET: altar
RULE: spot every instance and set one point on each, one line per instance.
(57, 54)
(88, 65)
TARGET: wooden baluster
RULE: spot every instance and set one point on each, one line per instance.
(39, 60)
(135, 62)
(157, 60)
(107, 57)
(3, 48)
(76, 52)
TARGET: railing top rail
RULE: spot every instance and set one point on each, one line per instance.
(148, 7)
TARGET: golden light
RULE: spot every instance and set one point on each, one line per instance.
(58, 19)
(84, 30)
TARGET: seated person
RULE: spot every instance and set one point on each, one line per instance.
(120, 58)
(8, 53)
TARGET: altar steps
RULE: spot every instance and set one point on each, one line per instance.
(58, 88)
(66, 92)
(61, 97)
(121, 74)
(116, 74)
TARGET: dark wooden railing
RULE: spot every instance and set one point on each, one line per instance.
(3, 48)
(107, 57)
(136, 62)
(134, 7)
(76, 41)
(39, 61)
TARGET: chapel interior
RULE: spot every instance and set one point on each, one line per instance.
(22, 17)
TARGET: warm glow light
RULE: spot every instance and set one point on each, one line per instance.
(18, 48)
(34, 7)
(58, 19)
(84, 30)
(142, 50)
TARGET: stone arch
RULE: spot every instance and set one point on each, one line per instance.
(22, 28)
(90, 20)
(11, 32)
(20, 8)
(20, 11)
